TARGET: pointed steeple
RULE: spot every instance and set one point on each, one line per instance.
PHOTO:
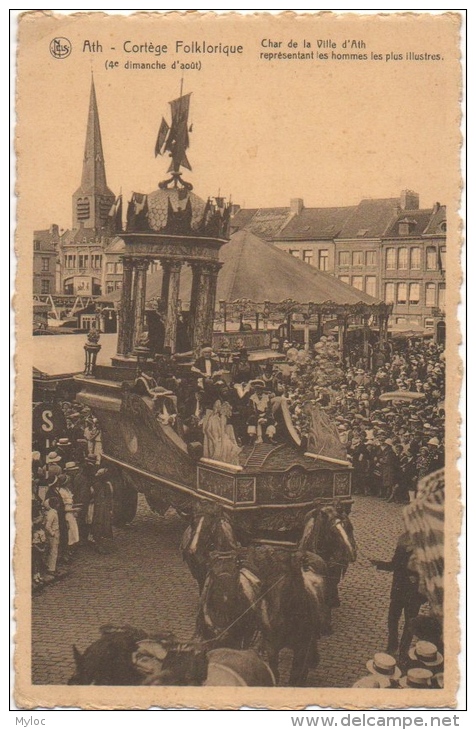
(92, 201)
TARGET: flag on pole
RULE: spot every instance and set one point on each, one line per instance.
(161, 137)
(115, 215)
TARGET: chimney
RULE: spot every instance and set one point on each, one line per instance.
(436, 208)
(296, 206)
(235, 208)
(409, 200)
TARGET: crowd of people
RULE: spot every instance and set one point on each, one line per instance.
(72, 497)
(391, 419)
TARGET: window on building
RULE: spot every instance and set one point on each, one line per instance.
(36, 245)
(430, 295)
(358, 282)
(344, 258)
(429, 323)
(88, 321)
(119, 268)
(45, 286)
(307, 256)
(402, 293)
(118, 285)
(344, 278)
(442, 297)
(414, 296)
(323, 259)
(357, 258)
(431, 258)
(403, 258)
(401, 320)
(45, 264)
(96, 261)
(83, 261)
(109, 268)
(109, 287)
(390, 258)
(415, 258)
(82, 208)
(295, 252)
(371, 285)
(370, 258)
(390, 292)
(443, 257)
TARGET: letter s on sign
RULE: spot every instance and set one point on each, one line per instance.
(47, 424)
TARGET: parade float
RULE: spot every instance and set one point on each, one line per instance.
(268, 486)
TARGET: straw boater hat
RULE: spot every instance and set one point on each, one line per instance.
(52, 457)
(385, 665)
(64, 442)
(417, 678)
(257, 383)
(426, 653)
(70, 466)
(373, 681)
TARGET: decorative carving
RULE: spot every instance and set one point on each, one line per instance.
(180, 249)
(342, 484)
(295, 484)
(245, 490)
(219, 485)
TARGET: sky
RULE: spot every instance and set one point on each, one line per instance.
(330, 131)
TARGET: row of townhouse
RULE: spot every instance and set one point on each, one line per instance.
(387, 247)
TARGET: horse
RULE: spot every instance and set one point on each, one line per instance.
(224, 615)
(277, 590)
(126, 656)
(328, 532)
(210, 529)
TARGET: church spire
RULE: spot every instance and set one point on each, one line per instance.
(92, 201)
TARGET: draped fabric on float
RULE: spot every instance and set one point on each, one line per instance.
(424, 522)
(323, 435)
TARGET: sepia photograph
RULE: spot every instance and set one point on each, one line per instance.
(237, 369)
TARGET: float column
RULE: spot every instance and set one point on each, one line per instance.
(212, 276)
(164, 294)
(124, 325)
(196, 270)
(172, 305)
(140, 281)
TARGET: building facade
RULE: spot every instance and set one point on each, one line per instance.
(413, 266)
(387, 247)
(45, 254)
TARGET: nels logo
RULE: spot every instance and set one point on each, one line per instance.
(60, 48)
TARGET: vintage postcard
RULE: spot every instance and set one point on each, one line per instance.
(237, 384)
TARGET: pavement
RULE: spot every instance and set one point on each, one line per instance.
(144, 583)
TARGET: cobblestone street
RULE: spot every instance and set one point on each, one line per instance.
(144, 583)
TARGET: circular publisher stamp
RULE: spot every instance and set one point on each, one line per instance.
(60, 47)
